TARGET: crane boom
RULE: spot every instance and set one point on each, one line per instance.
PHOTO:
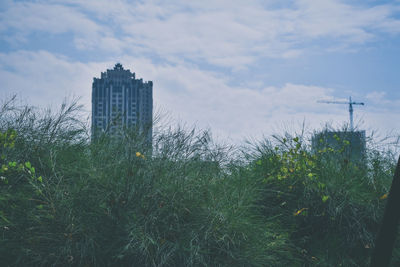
(350, 103)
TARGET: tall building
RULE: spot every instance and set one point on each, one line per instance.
(121, 100)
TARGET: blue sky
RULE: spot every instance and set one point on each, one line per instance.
(241, 68)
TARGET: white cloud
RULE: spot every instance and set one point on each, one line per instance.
(27, 17)
(43, 79)
(235, 112)
(21, 19)
(191, 95)
(231, 34)
(375, 96)
(332, 18)
(186, 35)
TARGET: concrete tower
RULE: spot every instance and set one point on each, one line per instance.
(119, 100)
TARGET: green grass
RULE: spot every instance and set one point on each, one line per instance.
(187, 202)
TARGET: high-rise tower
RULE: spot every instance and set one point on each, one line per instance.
(120, 100)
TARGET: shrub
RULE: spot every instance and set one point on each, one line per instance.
(115, 201)
(185, 201)
(330, 206)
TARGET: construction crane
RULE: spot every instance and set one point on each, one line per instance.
(350, 103)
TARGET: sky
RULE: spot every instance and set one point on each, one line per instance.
(243, 69)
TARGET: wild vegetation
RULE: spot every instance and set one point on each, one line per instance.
(66, 200)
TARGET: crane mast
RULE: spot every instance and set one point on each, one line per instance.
(350, 103)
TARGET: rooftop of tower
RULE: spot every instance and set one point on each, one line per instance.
(118, 72)
(118, 66)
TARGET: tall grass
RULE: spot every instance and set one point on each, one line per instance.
(329, 205)
(185, 201)
(116, 202)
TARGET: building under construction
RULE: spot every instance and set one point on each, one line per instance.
(351, 144)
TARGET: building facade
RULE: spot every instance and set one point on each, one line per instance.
(120, 100)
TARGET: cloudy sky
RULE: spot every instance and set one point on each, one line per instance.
(241, 68)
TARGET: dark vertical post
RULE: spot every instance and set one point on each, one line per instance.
(388, 231)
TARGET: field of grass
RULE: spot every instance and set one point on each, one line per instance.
(186, 202)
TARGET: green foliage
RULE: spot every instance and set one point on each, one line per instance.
(115, 202)
(331, 206)
(69, 200)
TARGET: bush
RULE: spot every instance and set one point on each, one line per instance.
(115, 201)
(184, 201)
(330, 206)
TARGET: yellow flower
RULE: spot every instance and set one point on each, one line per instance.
(299, 211)
(384, 196)
(140, 155)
